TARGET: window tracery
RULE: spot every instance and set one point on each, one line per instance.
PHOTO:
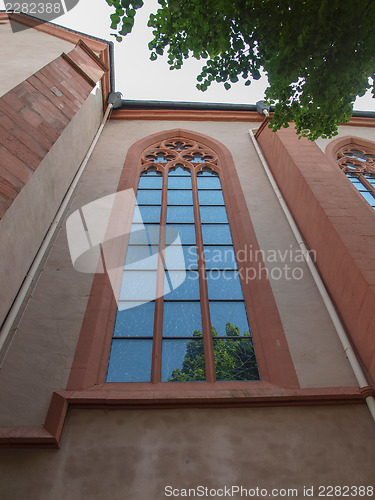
(358, 164)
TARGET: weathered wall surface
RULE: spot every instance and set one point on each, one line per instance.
(26, 221)
(26, 52)
(135, 454)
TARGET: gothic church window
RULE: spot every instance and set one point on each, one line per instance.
(358, 164)
(181, 312)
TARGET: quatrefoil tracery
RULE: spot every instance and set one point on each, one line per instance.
(178, 151)
(354, 158)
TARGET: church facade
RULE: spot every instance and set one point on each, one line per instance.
(187, 300)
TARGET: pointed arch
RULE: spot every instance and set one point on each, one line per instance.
(356, 159)
(273, 356)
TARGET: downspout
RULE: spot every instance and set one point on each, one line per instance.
(350, 354)
(22, 292)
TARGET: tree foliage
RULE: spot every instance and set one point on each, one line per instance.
(318, 55)
(234, 357)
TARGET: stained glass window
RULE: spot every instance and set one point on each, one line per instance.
(181, 310)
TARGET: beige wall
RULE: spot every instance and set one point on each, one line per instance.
(24, 53)
(135, 454)
(344, 130)
(27, 220)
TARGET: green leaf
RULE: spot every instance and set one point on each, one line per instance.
(115, 18)
(315, 66)
(125, 30)
(137, 4)
(129, 21)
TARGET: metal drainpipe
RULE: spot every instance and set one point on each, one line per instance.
(350, 354)
(12, 314)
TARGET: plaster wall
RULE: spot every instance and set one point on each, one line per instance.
(25, 223)
(135, 454)
(40, 356)
(27, 51)
(362, 132)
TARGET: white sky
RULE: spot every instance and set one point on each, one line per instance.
(139, 78)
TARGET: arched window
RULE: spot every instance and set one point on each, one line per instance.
(195, 303)
(181, 311)
(358, 164)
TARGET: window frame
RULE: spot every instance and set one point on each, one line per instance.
(359, 169)
(275, 364)
(336, 151)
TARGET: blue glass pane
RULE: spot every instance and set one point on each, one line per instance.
(235, 359)
(211, 182)
(185, 231)
(207, 172)
(151, 172)
(130, 361)
(223, 285)
(150, 182)
(141, 257)
(179, 171)
(144, 213)
(135, 319)
(216, 234)
(180, 197)
(181, 285)
(228, 318)
(160, 158)
(220, 257)
(149, 197)
(357, 154)
(147, 234)
(370, 178)
(182, 361)
(138, 285)
(181, 319)
(181, 257)
(210, 197)
(198, 158)
(179, 182)
(368, 197)
(180, 214)
(213, 214)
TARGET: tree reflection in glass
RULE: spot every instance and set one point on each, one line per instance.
(234, 357)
